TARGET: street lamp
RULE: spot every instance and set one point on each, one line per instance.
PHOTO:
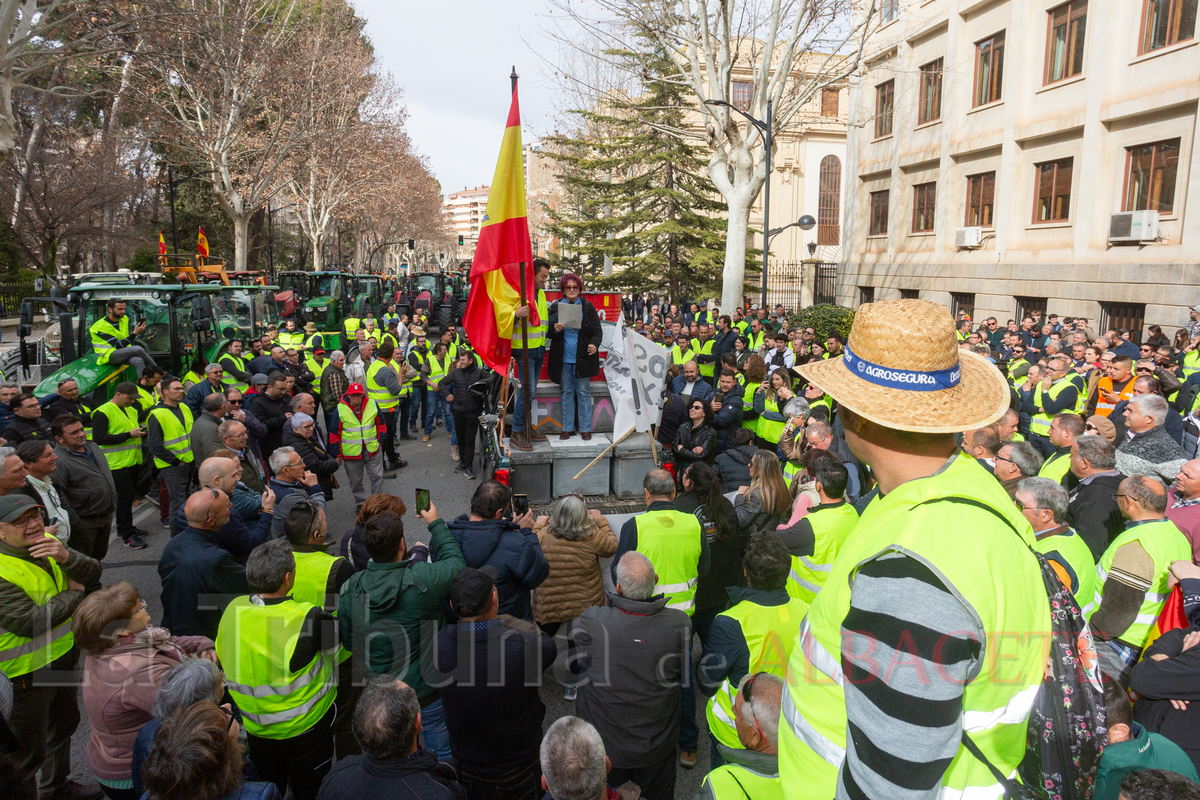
(765, 129)
(805, 223)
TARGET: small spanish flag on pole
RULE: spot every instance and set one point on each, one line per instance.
(162, 244)
(202, 243)
(502, 251)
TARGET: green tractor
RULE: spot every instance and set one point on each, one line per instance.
(368, 295)
(187, 326)
(324, 298)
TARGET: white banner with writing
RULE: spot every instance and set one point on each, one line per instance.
(636, 372)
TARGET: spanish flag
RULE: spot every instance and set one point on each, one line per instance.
(502, 249)
(162, 244)
(202, 243)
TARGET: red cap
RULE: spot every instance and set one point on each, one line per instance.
(355, 388)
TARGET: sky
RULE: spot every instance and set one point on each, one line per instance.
(453, 59)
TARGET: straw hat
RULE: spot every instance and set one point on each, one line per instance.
(310, 327)
(903, 369)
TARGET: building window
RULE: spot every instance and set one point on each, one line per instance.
(910, 294)
(1150, 178)
(1064, 45)
(829, 201)
(1032, 307)
(829, 102)
(1053, 191)
(1166, 22)
(879, 213)
(989, 69)
(981, 199)
(742, 94)
(931, 93)
(888, 11)
(924, 206)
(885, 97)
(866, 294)
(962, 303)
(1123, 317)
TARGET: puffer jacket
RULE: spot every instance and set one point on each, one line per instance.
(753, 516)
(513, 551)
(575, 582)
(458, 383)
(119, 687)
(689, 437)
(733, 466)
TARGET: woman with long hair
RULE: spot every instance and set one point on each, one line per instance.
(1181, 340)
(769, 400)
(696, 440)
(351, 546)
(755, 372)
(1157, 338)
(702, 496)
(763, 504)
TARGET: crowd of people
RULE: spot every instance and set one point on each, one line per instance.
(843, 565)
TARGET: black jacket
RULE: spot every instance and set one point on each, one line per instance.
(458, 382)
(23, 430)
(316, 460)
(586, 366)
(272, 414)
(674, 414)
(1158, 682)
(728, 419)
(1094, 514)
(725, 562)
(194, 564)
(418, 777)
(493, 709)
(689, 437)
(733, 466)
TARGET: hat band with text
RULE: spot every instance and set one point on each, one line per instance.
(908, 379)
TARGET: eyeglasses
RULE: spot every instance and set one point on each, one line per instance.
(27, 523)
(141, 606)
(1118, 497)
(235, 402)
(1002, 458)
(1021, 507)
(747, 696)
(1090, 427)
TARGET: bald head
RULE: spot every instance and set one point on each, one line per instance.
(219, 473)
(691, 371)
(1144, 498)
(206, 512)
(1187, 482)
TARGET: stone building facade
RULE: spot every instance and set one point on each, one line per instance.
(1036, 121)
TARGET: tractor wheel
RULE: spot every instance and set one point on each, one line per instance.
(404, 310)
(10, 362)
(445, 317)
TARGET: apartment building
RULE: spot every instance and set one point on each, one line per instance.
(1012, 156)
(464, 212)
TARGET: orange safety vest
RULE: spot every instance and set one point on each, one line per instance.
(1106, 385)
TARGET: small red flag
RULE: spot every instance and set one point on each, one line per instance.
(162, 244)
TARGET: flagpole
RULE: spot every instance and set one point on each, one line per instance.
(527, 395)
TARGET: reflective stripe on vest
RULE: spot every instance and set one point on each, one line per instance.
(770, 634)
(680, 357)
(831, 527)
(1164, 543)
(312, 584)
(770, 429)
(953, 539)
(316, 369)
(352, 324)
(376, 390)
(671, 540)
(121, 420)
(106, 337)
(749, 418)
(705, 349)
(176, 436)
(1040, 424)
(756, 340)
(255, 644)
(238, 363)
(736, 782)
(20, 655)
(1191, 364)
(1071, 548)
(1104, 408)
(537, 333)
(356, 432)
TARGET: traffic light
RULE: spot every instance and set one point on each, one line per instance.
(412, 244)
(460, 240)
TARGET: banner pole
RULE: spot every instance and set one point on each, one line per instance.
(653, 448)
(605, 452)
(527, 395)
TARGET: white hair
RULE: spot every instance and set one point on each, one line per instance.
(281, 458)
(763, 709)
(635, 574)
(572, 756)
(336, 354)
(1152, 405)
(212, 368)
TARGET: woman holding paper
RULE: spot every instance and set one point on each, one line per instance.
(574, 354)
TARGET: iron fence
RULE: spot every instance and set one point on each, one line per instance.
(785, 283)
(11, 295)
(825, 284)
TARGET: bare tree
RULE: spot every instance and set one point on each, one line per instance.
(407, 205)
(786, 50)
(225, 87)
(351, 126)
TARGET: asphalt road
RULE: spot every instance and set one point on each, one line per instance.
(429, 467)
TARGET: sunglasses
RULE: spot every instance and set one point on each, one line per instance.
(235, 402)
(1090, 428)
(1022, 507)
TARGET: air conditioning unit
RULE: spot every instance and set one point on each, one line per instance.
(970, 238)
(1133, 226)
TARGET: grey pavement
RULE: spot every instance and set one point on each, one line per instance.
(429, 467)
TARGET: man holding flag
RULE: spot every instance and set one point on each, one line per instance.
(535, 346)
(502, 274)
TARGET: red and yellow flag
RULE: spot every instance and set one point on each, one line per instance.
(502, 250)
(202, 243)
(162, 244)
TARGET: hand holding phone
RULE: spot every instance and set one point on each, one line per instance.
(520, 505)
(423, 502)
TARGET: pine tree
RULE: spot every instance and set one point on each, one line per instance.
(625, 173)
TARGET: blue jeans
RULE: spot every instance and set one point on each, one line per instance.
(577, 390)
(438, 405)
(689, 731)
(433, 730)
(530, 379)
(420, 400)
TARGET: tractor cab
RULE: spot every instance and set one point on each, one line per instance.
(179, 332)
(242, 311)
(368, 294)
(330, 297)
(293, 292)
(430, 294)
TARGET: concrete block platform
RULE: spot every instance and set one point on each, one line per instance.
(546, 408)
(548, 471)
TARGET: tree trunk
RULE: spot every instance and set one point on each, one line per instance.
(241, 241)
(318, 246)
(31, 147)
(733, 284)
(8, 128)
